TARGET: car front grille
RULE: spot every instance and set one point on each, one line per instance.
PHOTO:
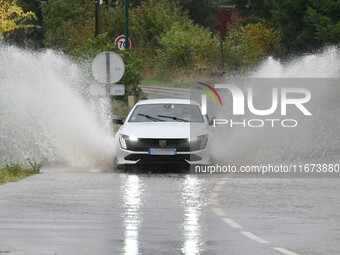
(143, 158)
(181, 145)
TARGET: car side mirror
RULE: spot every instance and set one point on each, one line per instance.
(211, 121)
(118, 121)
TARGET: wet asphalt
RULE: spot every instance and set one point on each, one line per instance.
(87, 211)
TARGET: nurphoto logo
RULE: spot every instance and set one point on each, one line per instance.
(240, 101)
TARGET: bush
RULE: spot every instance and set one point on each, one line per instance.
(151, 19)
(187, 46)
(250, 44)
(133, 73)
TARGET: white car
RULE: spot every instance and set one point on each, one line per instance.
(164, 131)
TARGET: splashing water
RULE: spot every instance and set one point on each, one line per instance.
(47, 114)
(325, 64)
(315, 138)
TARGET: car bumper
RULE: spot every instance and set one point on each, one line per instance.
(127, 157)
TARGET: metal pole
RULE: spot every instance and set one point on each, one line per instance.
(126, 24)
(96, 17)
(222, 54)
(108, 73)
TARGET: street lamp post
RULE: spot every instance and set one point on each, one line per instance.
(126, 24)
(96, 18)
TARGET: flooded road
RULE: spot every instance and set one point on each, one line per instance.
(86, 211)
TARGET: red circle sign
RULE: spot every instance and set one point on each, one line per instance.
(120, 42)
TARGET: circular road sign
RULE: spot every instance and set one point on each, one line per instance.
(108, 67)
(120, 42)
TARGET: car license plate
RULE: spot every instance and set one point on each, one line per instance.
(166, 151)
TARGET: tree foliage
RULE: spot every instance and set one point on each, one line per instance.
(305, 25)
(68, 24)
(13, 17)
(179, 34)
(187, 46)
(151, 19)
(202, 12)
(252, 43)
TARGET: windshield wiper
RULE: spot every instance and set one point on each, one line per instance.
(149, 117)
(173, 118)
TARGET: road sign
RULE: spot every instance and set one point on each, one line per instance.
(108, 67)
(115, 90)
(120, 42)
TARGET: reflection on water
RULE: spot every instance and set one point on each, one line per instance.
(192, 204)
(132, 191)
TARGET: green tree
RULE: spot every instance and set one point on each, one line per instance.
(252, 43)
(34, 36)
(13, 17)
(255, 10)
(151, 19)
(288, 17)
(187, 46)
(323, 20)
(305, 25)
(68, 23)
(202, 12)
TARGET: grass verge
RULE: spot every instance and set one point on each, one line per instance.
(14, 173)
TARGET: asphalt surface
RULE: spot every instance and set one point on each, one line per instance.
(85, 211)
(164, 92)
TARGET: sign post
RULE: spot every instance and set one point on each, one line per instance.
(108, 68)
(108, 73)
(126, 9)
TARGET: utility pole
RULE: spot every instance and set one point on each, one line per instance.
(96, 17)
(222, 52)
(126, 24)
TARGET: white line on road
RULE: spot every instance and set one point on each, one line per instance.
(231, 223)
(214, 201)
(221, 182)
(284, 251)
(254, 237)
(214, 195)
(218, 212)
(217, 188)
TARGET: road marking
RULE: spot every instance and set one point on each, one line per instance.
(254, 237)
(214, 201)
(231, 223)
(284, 251)
(218, 212)
(221, 182)
(217, 188)
(214, 195)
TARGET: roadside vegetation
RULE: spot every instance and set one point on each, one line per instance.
(176, 39)
(174, 42)
(14, 173)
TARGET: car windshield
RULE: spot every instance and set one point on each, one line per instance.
(166, 113)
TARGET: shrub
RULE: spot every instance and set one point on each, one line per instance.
(187, 46)
(250, 44)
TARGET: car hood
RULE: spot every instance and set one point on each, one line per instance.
(164, 129)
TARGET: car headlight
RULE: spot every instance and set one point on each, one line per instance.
(124, 138)
(199, 142)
